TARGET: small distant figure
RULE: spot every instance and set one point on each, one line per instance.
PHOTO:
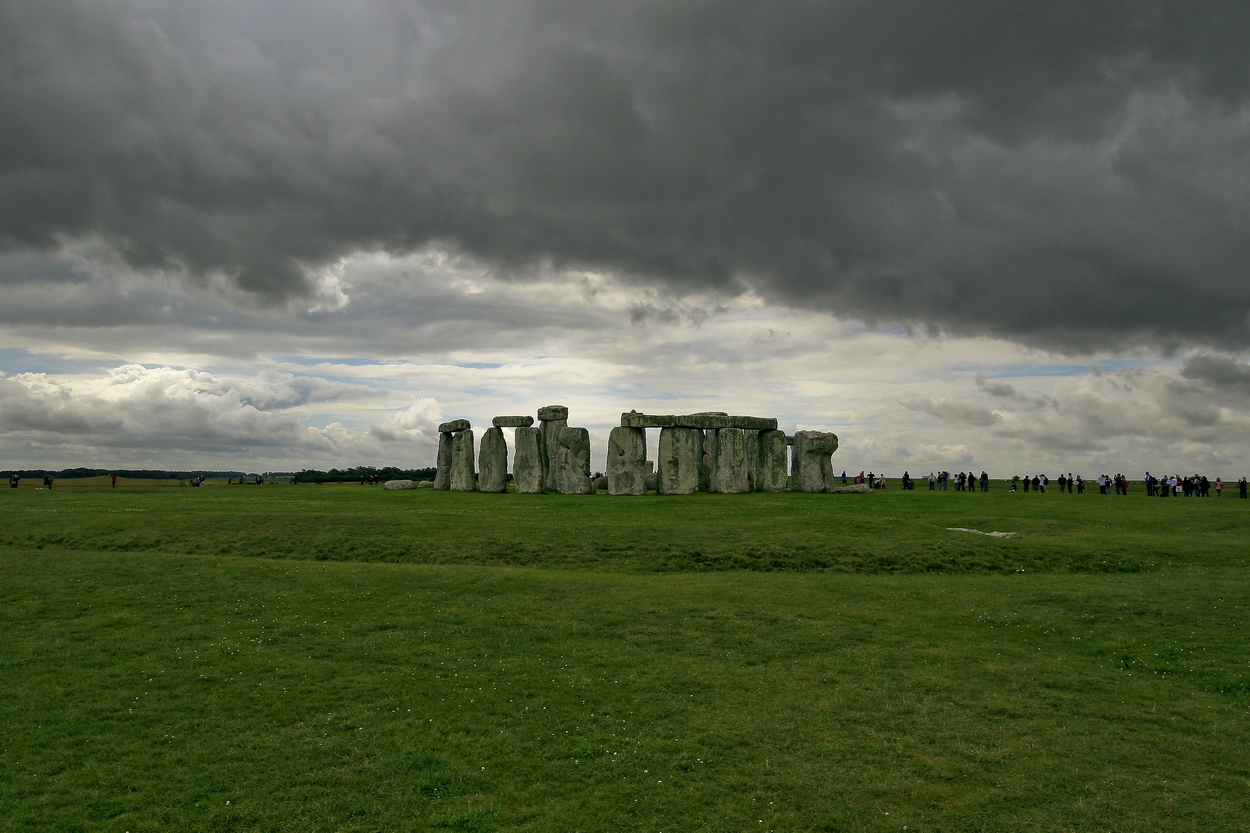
(985, 482)
(1241, 487)
(843, 477)
(14, 479)
(47, 481)
(113, 480)
(1219, 486)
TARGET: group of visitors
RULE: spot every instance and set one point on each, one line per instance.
(1197, 485)
(964, 481)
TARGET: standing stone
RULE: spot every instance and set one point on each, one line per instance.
(627, 458)
(751, 439)
(813, 468)
(529, 461)
(442, 471)
(729, 473)
(680, 449)
(572, 461)
(492, 462)
(463, 476)
(707, 460)
(554, 419)
(770, 474)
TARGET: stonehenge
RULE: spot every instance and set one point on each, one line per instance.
(711, 451)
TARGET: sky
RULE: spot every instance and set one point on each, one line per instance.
(275, 235)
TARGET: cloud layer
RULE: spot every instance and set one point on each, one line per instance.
(1068, 176)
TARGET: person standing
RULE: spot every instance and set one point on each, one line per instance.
(1241, 487)
(47, 481)
(1219, 486)
(985, 482)
(113, 480)
(14, 479)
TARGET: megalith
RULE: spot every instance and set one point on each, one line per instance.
(627, 461)
(492, 462)
(707, 458)
(770, 472)
(529, 461)
(463, 475)
(572, 462)
(442, 463)
(729, 467)
(751, 441)
(812, 464)
(680, 449)
(553, 419)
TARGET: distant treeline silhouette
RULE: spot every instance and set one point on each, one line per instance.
(135, 474)
(355, 475)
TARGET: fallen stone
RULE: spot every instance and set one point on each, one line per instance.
(529, 461)
(425, 484)
(601, 483)
(454, 426)
(442, 470)
(627, 457)
(678, 464)
(852, 489)
(813, 470)
(552, 412)
(399, 484)
(512, 421)
(463, 474)
(492, 462)
(651, 481)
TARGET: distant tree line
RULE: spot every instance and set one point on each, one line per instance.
(137, 474)
(355, 474)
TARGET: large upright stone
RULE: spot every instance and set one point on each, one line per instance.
(680, 449)
(554, 419)
(751, 439)
(492, 462)
(442, 463)
(770, 473)
(812, 465)
(707, 458)
(529, 461)
(463, 476)
(729, 472)
(572, 462)
(627, 461)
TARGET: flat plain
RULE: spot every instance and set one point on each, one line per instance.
(347, 658)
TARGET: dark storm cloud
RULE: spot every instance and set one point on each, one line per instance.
(1070, 175)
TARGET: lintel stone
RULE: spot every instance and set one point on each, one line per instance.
(751, 423)
(512, 421)
(637, 420)
(454, 426)
(552, 412)
(705, 421)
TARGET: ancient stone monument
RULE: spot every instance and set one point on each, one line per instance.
(627, 458)
(529, 461)
(445, 463)
(813, 469)
(492, 461)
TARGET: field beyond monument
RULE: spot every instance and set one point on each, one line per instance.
(351, 658)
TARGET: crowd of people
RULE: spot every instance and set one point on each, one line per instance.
(1175, 485)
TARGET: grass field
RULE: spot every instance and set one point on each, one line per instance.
(347, 658)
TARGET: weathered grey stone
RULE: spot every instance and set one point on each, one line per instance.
(492, 462)
(637, 420)
(707, 460)
(679, 464)
(425, 484)
(399, 484)
(813, 470)
(754, 423)
(463, 475)
(454, 426)
(529, 461)
(651, 481)
(770, 474)
(572, 461)
(552, 412)
(708, 422)
(551, 429)
(601, 483)
(854, 489)
(729, 471)
(627, 457)
(751, 440)
(512, 421)
(442, 470)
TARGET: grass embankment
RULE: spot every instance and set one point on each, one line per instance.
(164, 685)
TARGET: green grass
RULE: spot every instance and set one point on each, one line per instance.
(826, 662)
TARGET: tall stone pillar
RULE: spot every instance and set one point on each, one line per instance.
(529, 461)
(571, 462)
(707, 459)
(812, 463)
(729, 469)
(680, 450)
(554, 419)
(492, 462)
(770, 473)
(627, 461)
(463, 474)
(751, 439)
(442, 463)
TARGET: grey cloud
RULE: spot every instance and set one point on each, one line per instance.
(958, 411)
(1066, 175)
